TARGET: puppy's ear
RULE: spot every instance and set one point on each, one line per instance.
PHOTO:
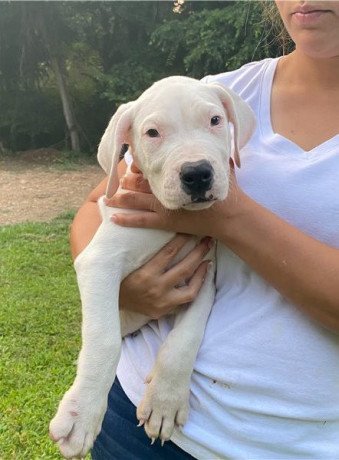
(240, 115)
(111, 143)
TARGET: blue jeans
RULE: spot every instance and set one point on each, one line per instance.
(121, 439)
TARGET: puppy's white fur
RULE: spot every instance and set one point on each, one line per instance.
(180, 109)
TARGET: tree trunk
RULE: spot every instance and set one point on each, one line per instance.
(44, 19)
(67, 105)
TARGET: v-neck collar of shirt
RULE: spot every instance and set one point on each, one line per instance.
(276, 140)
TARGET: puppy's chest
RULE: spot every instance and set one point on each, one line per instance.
(133, 247)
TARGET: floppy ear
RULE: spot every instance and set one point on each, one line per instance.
(240, 115)
(111, 143)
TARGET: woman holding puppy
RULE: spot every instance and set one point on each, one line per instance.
(266, 379)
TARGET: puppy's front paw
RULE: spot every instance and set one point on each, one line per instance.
(164, 406)
(77, 422)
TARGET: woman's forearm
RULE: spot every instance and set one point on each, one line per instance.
(84, 227)
(301, 268)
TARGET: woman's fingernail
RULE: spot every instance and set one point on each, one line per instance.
(212, 243)
(209, 241)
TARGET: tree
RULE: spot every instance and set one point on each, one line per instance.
(211, 41)
(67, 66)
(45, 19)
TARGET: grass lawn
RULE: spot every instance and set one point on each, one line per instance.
(39, 334)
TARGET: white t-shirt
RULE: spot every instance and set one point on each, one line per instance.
(266, 380)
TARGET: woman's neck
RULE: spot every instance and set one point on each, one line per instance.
(300, 69)
(305, 100)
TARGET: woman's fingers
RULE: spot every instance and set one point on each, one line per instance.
(165, 301)
(160, 262)
(183, 271)
(187, 294)
(145, 290)
(133, 200)
(146, 219)
(134, 168)
(155, 215)
(135, 182)
(154, 291)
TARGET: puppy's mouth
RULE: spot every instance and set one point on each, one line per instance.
(199, 203)
(202, 199)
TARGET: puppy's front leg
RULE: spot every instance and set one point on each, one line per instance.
(166, 400)
(81, 411)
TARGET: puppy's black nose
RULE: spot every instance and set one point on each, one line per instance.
(197, 177)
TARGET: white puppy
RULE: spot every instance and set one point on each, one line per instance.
(179, 136)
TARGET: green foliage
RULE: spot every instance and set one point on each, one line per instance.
(31, 117)
(111, 51)
(119, 91)
(214, 41)
(39, 334)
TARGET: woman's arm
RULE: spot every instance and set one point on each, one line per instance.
(301, 268)
(88, 219)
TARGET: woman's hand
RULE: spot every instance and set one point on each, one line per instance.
(155, 290)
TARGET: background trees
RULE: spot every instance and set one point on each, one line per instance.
(66, 66)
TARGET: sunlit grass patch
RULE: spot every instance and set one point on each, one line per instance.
(39, 334)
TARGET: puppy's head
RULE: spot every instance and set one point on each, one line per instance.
(179, 135)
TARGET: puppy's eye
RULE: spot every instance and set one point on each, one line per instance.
(215, 120)
(152, 133)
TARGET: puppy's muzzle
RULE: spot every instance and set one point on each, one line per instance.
(196, 179)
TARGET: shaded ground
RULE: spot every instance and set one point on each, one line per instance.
(41, 184)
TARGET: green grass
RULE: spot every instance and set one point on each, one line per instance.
(39, 334)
